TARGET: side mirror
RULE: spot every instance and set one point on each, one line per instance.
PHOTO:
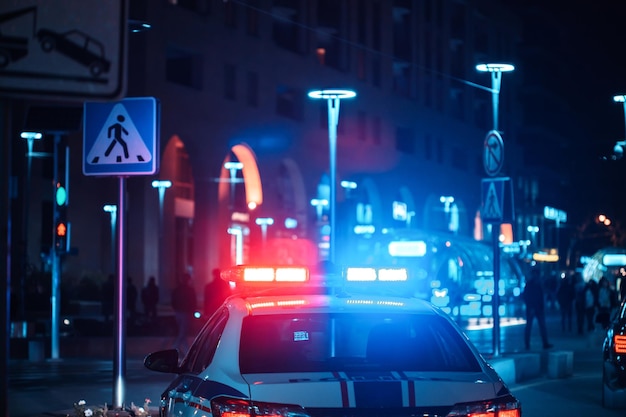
(163, 361)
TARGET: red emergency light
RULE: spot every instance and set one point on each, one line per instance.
(244, 274)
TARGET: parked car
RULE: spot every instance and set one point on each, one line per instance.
(614, 361)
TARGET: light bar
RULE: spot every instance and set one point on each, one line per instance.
(373, 274)
(416, 248)
(265, 274)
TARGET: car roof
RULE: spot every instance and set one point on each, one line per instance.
(287, 301)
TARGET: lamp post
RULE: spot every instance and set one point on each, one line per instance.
(264, 222)
(333, 98)
(112, 210)
(233, 167)
(496, 70)
(618, 149)
(30, 138)
(161, 185)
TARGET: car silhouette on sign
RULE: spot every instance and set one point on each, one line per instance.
(77, 46)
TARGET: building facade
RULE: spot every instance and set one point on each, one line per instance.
(240, 140)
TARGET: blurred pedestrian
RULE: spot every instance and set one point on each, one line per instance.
(215, 292)
(591, 303)
(607, 301)
(131, 300)
(579, 302)
(184, 305)
(150, 299)
(535, 309)
(565, 295)
(107, 296)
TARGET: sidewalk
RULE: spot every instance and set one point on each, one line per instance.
(516, 364)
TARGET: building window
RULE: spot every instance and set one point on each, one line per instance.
(361, 126)
(459, 159)
(428, 147)
(329, 15)
(289, 102)
(376, 14)
(376, 72)
(230, 82)
(184, 68)
(376, 127)
(440, 148)
(252, 18)
(230, 14)
(202, 7)
(252, 90)
(286, 31)
(404, 140)
(402, 78)
(457, 103)
(361, 65)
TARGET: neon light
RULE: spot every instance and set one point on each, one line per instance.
(291, 274)
(258, 274)
(364, 302)
(290, 303)
(407, 248)
(361, 274)
(397, 274)
(614, 259)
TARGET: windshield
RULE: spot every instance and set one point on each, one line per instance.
(345, 342)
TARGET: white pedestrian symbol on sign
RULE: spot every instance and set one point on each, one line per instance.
(118, 142)
(492, 205)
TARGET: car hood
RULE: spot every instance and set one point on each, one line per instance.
(373, 390)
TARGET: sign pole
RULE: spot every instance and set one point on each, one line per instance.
(495, 236)
(119, 368)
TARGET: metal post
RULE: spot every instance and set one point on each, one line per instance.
(119, 365)
(495, 236)
(333, 118)
(55, 298)
(333, 98)
(112, 210)
(496, 81)
(161, 186)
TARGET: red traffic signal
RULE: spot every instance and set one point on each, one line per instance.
(61, 229)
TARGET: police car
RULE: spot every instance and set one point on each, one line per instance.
(614, 362)
(294, 343)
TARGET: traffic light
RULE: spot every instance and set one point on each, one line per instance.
(60, 218)
(61, 225)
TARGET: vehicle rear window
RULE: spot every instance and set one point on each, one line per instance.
(347, 342)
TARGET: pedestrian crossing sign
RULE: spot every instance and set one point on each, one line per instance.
(497, 200)
(121, 138)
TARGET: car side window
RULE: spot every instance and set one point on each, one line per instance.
(203, 348)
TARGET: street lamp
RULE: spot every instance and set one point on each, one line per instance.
(333, 97)
(161, 185)
(233, 167)
(112, 210)
(496, 71)
(618, 149)
(319, 204)
(30, 138)
(264, 222)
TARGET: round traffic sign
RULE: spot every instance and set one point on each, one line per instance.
(493, 153)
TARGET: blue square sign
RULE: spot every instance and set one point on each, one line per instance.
(121, 138)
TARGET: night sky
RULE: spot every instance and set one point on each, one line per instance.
(592, 55)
